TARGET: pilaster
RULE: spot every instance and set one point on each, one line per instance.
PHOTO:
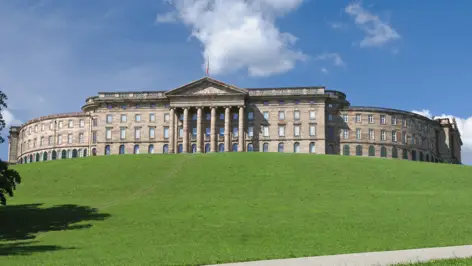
(185, 129)
(227, 129)
(213, 130)
(241, 134)
(199, 130)
(172, 131)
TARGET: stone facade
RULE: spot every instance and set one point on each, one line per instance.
(211, 116)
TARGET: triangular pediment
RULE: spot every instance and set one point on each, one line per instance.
(206, 86)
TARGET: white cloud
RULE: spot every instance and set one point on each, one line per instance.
(334, 57)
(324, 70)
(240, 34)
(377, 31)
(465, 128)
(337, 25)
(10, 119)
(168, 17)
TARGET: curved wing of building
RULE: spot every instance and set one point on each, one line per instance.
(208, 115)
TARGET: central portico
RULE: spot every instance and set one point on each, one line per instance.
(197, 104)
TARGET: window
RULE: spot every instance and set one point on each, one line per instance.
(108, 133)
(358, 133)
(281, 131)
(371, 134)
(235, 147)
(81, 123)
(358, 118)
(34, 143)
(235, 131)
(312, 147)
(137, 117)
(95, 122)
(60, 125)
(250, 147)
(345, 133)
(266, 115)
(296, 147)
(382, 119)
(281, 102)
(137, 133)
(383, 152)
(123, 118)
(151, 149)
(265, 131)
(296, 130)
(235, 116)
(71, 123)
(109, 119)
(345, 118)
(207, 131)
(404, 138)
(122, 133)
(330, 117)
(59, 140)
(280, 147)
(281, 115)
(81, 137)
(222, 131)
(346, 151)
(181, 132)
(50, 140)
(265, 147)
(207, 147)
(152, 132)
(194, 132)
(394, 136)
(250, 116)
(166, 117)
(312, 115)
(194, 117)
(165, 148)
(221, 147)
(359, 150)
(405, 154)
(42, 127)
(136, 149)
(51, 127)
(166, 132)
(312, 129)
(371, 150)
(394, 120)
(383, 134)
(122, 149)
(41, 141)
(371, 119)
(208, 116)
(296, 115)
(394, 152)
(250, 131)
(330, 133)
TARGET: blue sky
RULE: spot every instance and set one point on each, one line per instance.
(401, 54)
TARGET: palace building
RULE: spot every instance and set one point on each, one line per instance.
(208, 115)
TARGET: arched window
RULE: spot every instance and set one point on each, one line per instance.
(346, 150)
(280, 147)
(94, 152)
(383, 152)
(250, 147)
(180, 148)
(421, 156)
(151, 148)
(37, 157)
(53, 155)
(405, 154)
(85, 152)
(427, 157)
(394, 152)
(207, 147)
(413, 155)
(330, 149)
(45, 156)
(296, 147)
(165, 148)
(359, 150)
(122, 149)
(107, 150)
(31, 158)
(136, 149)
(194, 148)
(74, 153)
(371, 150)
(235, 147)
(221, 147)
(265, 147)
(64, 154)
(312, 147)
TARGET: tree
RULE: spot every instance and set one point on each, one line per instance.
(9, 178)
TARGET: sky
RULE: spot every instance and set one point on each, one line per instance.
(402, 54)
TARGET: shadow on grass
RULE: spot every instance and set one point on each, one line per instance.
(23, 222)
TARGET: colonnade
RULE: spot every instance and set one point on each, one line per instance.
(173, 128)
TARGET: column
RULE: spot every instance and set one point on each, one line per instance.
(241, 134)
(227, 129)
(213, 130)
(199, 129)
(171, 130)
(185, 128)
(176, 131)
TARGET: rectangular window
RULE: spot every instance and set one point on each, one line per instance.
(41, 142)
(296, 130)
(394, 120)
(109, 119)
(194, 131)
(404, 138)
(122, 133)
(281, 115)
(383, 134)
(330, 117)
(235, 116)
(94, 137)
(60, 125)
(81, 123)
(250, 116)
(166, 132)
(108, 133)
(207, 131)
(358, 133)
(250, 131)
(34, 143)
(137, 133)
(281, 131)
(81, 137)
(330, 133)
(51, 126)
(371, 119)
(222, 131)
(371, 134)
(383, 120)
(166, 117)
(345, 118)
(235, 132)
(59, 139)
(345, 133)
(358, 118)
(50, 140)
(312, 129)
(394, 136)
(296, 115)
(265, 131)
(312, 115)
(181, 132)
(152, 132)
(266, 115)
(208, 116)
(95, 122)
(152, 117)
(123, 118)
(222, 116)
(137, 117)
(71, 123)
(194, 117)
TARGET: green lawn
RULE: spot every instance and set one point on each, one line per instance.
(453, 262)
(210, 208)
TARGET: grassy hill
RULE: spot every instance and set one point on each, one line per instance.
(210, 208)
